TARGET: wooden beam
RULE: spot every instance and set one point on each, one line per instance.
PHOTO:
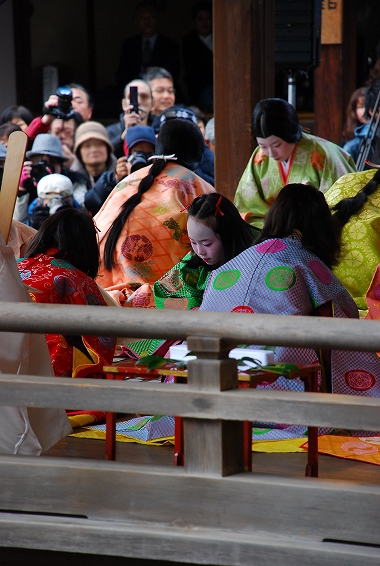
(245, 504)
(317, 409)
(205, 546)
(243, 74)
(270, 329)
(216, 446)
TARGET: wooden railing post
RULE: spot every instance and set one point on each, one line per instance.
(212, 447)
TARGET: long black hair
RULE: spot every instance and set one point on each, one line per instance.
(73, 234)
(347, 207)
(179, 137)
(222, 216)
(304, 208)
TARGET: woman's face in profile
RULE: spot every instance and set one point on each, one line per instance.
(276, 147)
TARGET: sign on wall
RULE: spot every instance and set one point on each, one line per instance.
(332, 11)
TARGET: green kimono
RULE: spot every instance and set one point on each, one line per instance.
(360, 237)
(181, 287)
(316, 162)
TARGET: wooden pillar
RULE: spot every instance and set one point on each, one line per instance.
(243, 75)
(335, 78)
(212, 446)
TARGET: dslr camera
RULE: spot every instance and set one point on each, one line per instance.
(64, 110)
(39, 170)
(138, 160)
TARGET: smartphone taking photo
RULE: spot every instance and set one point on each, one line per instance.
(133, 98)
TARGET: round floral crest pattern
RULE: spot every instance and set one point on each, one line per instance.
(320, 271)
(64, 285)
(357, 231)
(359, 380)
(226, 279)
(271, 247)
(280, 278)
(137, 248)
(353, 258)
(243, 309)
(177, 303)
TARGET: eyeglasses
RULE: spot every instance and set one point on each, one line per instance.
(161, 90)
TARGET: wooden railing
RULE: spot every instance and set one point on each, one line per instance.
(210, 511)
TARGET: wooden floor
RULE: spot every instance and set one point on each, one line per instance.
(291, 465)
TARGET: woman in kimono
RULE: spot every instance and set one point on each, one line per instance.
(29, 431)
(354, 199)
(142, 224)
(212, 219)
(288, 271)
(285, 154)
(59, 266)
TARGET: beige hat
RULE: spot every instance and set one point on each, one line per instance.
(91, 130)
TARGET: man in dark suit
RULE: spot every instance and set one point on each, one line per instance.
(148, 49)
(198, 58)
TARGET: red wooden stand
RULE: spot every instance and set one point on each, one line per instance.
(308, 374)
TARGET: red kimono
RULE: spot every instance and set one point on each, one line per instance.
(57, 281)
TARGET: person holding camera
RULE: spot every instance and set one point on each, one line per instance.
(141, 141)
(45, 157)
(54, 192)
(63, 112)
(58, 106)
(135, 113)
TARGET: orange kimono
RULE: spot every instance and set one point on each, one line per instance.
(154, 238)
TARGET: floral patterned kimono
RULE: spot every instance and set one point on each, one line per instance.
(279, 276)
(360, 237)
(315, 161)
(57, 281)
(181, 288)
(154, 237)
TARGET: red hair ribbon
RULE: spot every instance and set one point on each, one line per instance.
(217, 207)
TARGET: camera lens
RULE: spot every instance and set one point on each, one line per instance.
(65, 92)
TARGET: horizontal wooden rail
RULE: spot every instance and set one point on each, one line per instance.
(316, 332)
(204, 546)
(319, 409)
(167, 495)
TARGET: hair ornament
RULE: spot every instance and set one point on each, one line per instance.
(217, 207)
(171, 157)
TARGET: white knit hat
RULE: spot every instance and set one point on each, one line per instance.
(53, 185)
